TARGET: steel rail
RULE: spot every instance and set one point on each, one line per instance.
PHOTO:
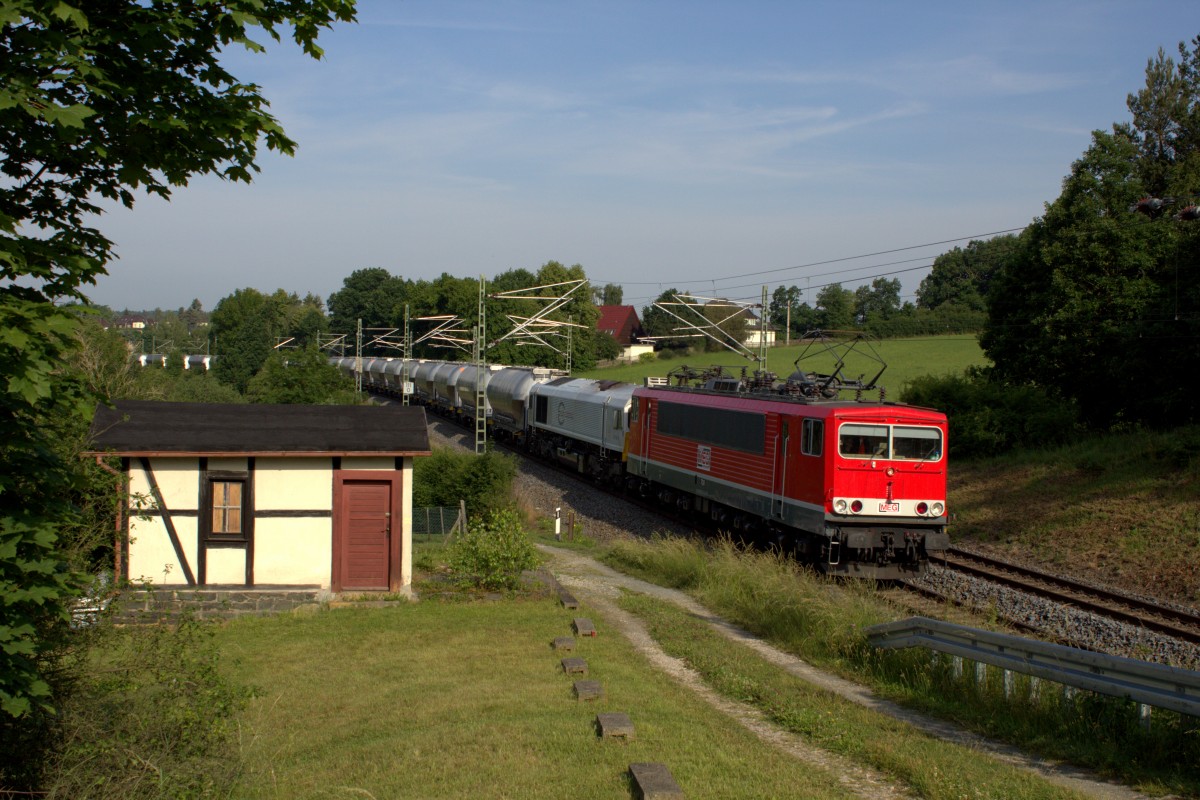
(1172, 622)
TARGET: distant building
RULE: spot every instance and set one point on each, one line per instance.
(756, 330)
(622, 323)
(131, 322)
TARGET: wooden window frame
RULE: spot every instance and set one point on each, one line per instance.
(211, 538)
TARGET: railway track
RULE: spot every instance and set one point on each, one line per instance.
(1166, 620)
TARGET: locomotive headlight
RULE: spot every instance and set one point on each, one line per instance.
(938, 508)
(856, 506)
(840, 506)
(922, 508)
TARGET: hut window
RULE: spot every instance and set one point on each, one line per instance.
(227, 509)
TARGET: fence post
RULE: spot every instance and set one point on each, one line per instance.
(1144, 715)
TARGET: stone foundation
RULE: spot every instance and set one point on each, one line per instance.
(148, 606)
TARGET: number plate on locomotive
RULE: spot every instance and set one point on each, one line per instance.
(889, 508)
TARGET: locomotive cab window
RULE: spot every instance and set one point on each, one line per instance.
(921, 444)
(865, 441)
(812, 437)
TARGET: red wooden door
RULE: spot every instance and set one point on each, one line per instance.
(365, 538)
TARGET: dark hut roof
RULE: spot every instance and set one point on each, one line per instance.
(144, 427)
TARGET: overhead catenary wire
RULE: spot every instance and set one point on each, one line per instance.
(831, 260)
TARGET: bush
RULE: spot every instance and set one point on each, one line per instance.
(151, 716)
(494, 551)
(988, 418)
(483, 482)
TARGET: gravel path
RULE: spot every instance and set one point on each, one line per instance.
(598, 585)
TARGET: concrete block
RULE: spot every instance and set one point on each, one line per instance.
(614, 725)
(566, 643)
(588, 690)
(575, 666)
(567, 599)
(584, 627)
(653, 781)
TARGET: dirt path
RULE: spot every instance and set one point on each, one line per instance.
(599, 586)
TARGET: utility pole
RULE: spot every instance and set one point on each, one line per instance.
(358, 359)
(480, 355)
(405, 356)
(570, 322)
(762, 331)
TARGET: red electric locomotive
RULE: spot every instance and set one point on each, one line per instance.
(856, 487)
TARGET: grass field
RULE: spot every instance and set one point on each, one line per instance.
(905, 359)
(467, 700)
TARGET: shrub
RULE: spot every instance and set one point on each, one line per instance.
(483, 482)
(988, 418)
(494, 551)
(152, 716)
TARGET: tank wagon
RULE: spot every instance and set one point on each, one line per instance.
(854, 487)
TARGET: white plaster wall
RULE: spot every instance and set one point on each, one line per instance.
(226, 565)
(406, 558)
(295, 550)
(301, 484)
(151, 555)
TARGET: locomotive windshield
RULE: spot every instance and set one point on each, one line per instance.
(890, 442)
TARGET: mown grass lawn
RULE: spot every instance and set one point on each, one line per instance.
(446, 700)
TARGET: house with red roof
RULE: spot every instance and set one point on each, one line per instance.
(622, 323)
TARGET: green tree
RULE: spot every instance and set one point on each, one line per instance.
(963, 276)
(301, 376)
(242, 330)
(1094, 303)
(879, 301)
(97, 102)
(373, 295)
(730, 320)
(657, 322)
(610, 294)
(784, 306)
(836, 306)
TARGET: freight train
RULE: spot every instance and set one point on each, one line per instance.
(854, 487)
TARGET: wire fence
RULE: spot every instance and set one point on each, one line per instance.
(437, 523)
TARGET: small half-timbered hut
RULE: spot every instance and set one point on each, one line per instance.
(265, 495)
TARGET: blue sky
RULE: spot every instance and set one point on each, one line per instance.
(710, 146)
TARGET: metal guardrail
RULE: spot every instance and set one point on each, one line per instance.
(1145, 683)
